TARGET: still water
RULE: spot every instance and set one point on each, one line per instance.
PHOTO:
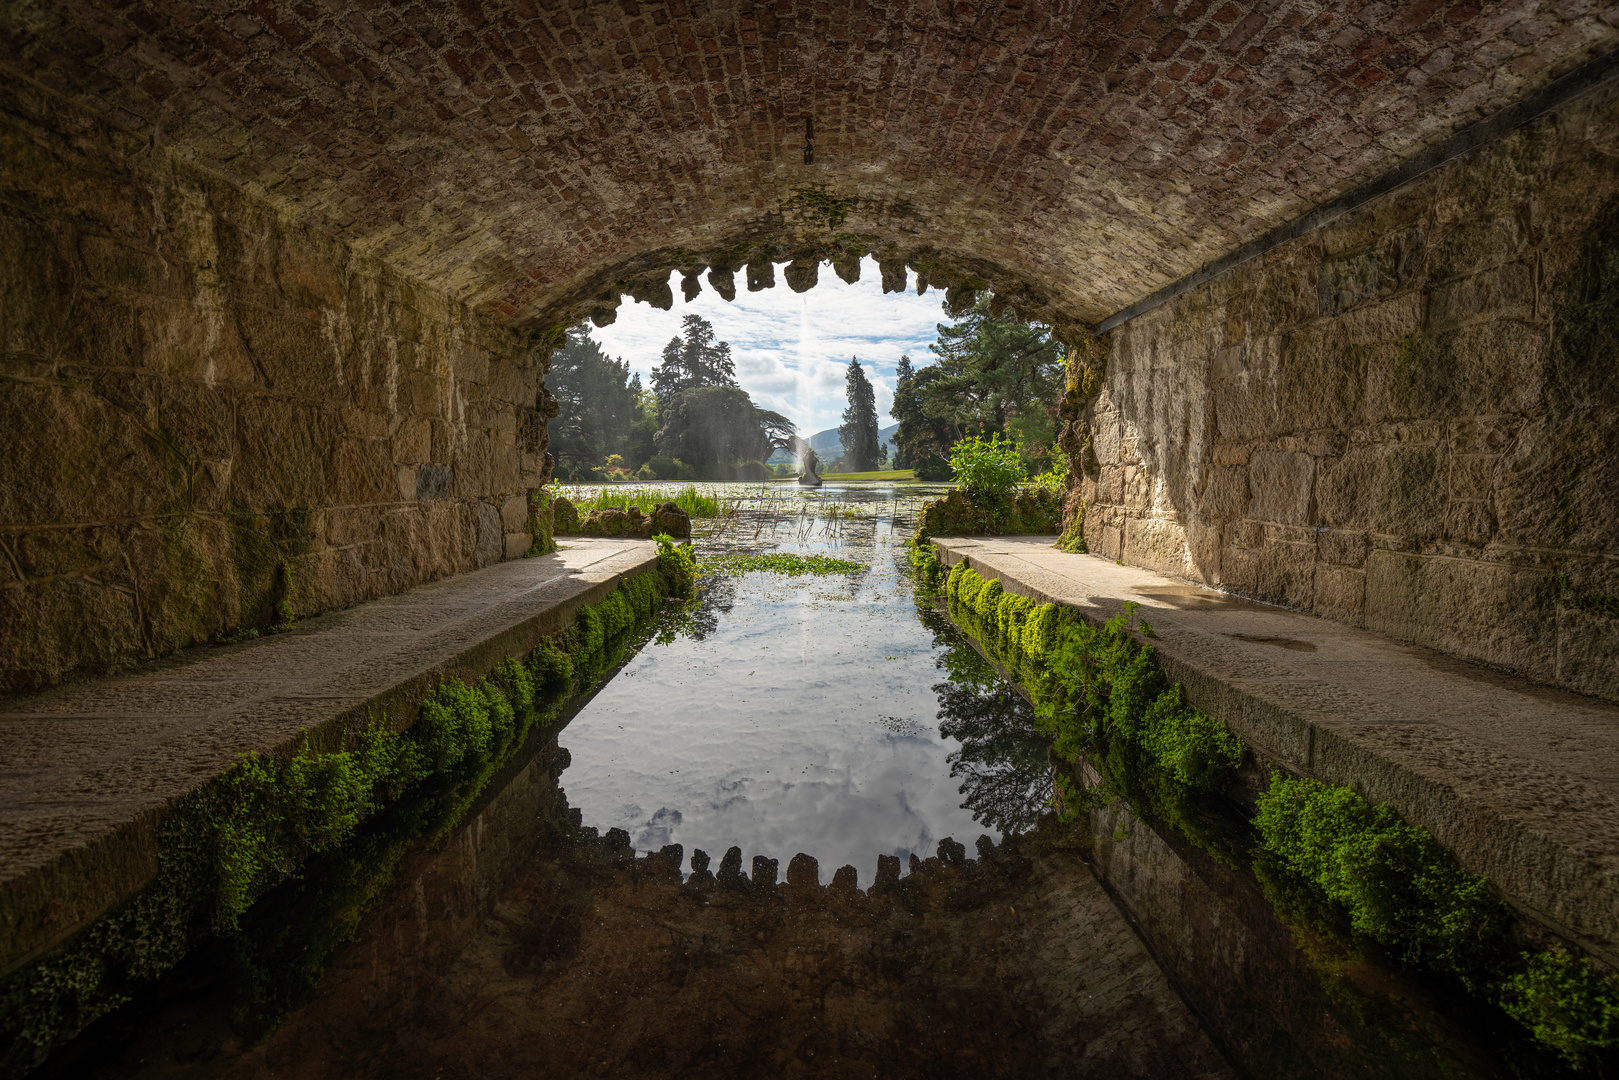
(791, 714)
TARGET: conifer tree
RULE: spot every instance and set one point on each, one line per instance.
(858, 432)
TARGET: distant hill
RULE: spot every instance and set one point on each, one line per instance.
(828, 447)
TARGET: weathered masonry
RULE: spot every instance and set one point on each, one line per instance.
(278, 281)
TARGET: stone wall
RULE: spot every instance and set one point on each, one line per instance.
(208, 411)
(1407, 421)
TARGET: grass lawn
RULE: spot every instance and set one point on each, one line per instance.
(890, 474)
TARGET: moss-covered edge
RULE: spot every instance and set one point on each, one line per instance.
(1102, 697)
(231, 840)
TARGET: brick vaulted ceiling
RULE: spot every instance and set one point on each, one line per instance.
(527, 157)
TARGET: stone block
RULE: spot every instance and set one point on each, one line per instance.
(514, 514)
(1342, 547)
(517, 544)
(1287, 574)
(1490, 612)
(1224, 495)
(1281, 487)
(1340, 594)
(412, 440)
(1506, 292)
(282, 452)
(1389, 320)
(1588, 652)
(1157, 545)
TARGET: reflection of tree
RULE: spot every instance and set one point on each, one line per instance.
(700, 618)
(1006, 774)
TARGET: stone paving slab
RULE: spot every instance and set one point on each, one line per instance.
(1520, 780)
(87, 771)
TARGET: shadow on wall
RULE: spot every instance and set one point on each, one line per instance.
(1404, 421)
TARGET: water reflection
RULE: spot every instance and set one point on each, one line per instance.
(806, 714)
(1003, 763)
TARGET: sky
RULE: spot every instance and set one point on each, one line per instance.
(792, 349)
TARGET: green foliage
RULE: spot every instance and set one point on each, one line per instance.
(697, 504)
(934, 469)
(599, 405)
(930, 573)
(989, 468)
(1399, 886)
(677, 564)
(707, 426)
(1566, 1003)
(1029, 512)
(994, 373)
(862, 447)
(229, 841)
(778, 562)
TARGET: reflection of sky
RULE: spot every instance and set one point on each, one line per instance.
(792, 349)
(804, 722)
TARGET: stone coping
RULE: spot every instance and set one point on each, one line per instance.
(1521, 781)
(87, 772)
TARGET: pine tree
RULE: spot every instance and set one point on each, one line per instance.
(693, 359)
(858, 432)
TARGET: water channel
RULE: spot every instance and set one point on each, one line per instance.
(608, 904)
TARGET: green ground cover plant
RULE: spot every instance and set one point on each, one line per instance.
(780, 562)
(234, 839)
(1102, 698)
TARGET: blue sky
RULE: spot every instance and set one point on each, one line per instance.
(791, 349)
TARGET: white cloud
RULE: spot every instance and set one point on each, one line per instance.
(791, 349)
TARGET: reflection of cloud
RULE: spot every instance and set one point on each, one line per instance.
(658, 831)
(792, 349)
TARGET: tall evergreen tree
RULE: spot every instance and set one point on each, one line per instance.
(693, 359)
(597, 403)
(995, 375)
(921, 435)
(858, 432)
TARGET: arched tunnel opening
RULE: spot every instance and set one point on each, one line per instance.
(340, 736)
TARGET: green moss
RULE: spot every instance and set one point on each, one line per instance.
(1030, 511)
(540, 523)
(930, 573)
(1568, 1004)
(1399, 886)
(232, 840)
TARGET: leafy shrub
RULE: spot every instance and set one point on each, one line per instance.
(991, 467)
(1566, 1003)
(933, 469)
(1399, 886)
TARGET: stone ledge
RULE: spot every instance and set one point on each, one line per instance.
(88, 772)
(1521, 781)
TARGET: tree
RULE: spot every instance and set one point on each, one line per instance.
(707, 426)
(598, 403)
(919, 436)
(995, 375)
(858, 432)
(693, 359)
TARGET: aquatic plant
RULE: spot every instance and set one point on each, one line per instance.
(695, 503)
(1399, 886)
(780, 562)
